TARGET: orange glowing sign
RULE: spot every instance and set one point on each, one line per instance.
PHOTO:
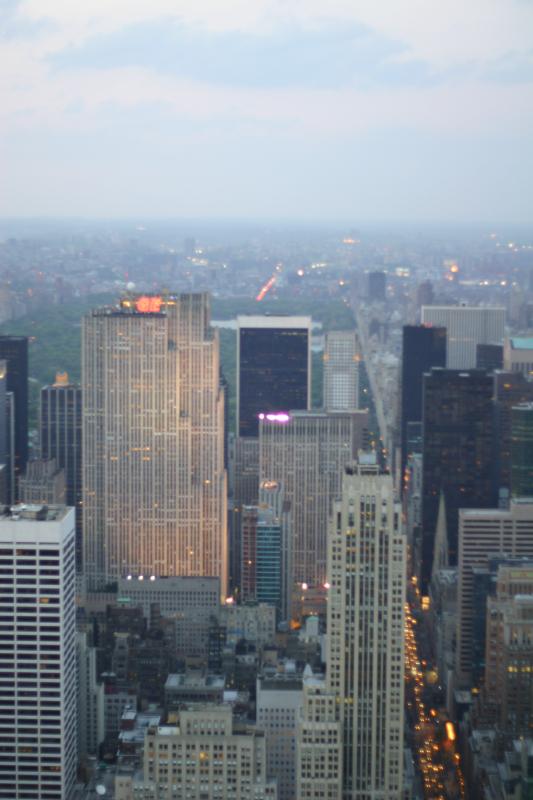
(148, 305)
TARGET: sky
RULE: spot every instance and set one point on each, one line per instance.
(348, 110)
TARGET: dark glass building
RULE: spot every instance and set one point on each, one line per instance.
(273, 368)
(510, 389)
(424, 347)
(489, 356)
(457, 452)
(14, 349)
(60, 428)
(522, 450)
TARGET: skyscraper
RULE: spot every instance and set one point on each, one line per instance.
(273, 367)
(305, 452)
(14, 350)
(522, 450)
(366, 569)
(457, 457)
(485, 533)
(510, 389)
(423, 347)
(377, 285)
(60, 432)
(466, 326)
(273, 374)
(38, 653)
(341, 371)
(154, 484)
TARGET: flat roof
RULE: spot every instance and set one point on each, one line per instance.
(521, 342)
(272, 321)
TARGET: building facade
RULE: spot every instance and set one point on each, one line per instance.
(205, 755)
(341, 371)
(457, 459)
(305, 452)
(60, 434)
(365, 653)
(522, 450)
(466, 327)
(273, 368)
(486, 533)
(154, 483)
(14, 350)
(38, 710)
(423, 347)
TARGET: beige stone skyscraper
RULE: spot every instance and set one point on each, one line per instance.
(154, 484)
(366, 571)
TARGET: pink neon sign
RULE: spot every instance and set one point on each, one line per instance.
(280, 416)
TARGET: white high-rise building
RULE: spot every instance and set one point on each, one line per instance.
(341, 371)
(466, 327)
(154, 483)
(38, 653)
(365, 663)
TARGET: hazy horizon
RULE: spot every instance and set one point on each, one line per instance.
(354, 113)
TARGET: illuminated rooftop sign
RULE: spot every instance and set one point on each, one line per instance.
(280, 416)
(148, 305)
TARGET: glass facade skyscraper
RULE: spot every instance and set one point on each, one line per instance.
(423, 347)
(273, 368)
(457, 452)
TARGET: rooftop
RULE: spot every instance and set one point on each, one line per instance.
(521, 343)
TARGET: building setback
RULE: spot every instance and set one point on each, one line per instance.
(365, 664)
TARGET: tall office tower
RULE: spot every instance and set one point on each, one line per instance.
(305, 452)
(518, 355)
(509, 650)
(43, 483)
(38, 653)
(212, 757)
(278, 707)
(457, 457)
(273, 374)
(5, 443)
(265, 537)
(466, 327)
(60, 432)
(522, 450)
(273, 368)
(510, 389)
(486, 533)
(341, 371)
(424, 347)
(365, 667)
(377, 286)
(154, 484)
(14, 350)
(90, 700)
